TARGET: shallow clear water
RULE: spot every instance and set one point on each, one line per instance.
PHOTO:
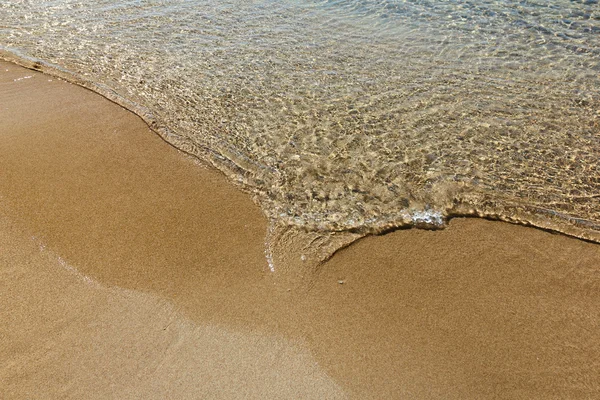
(354, 115)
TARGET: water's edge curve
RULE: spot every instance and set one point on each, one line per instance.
(325, 242)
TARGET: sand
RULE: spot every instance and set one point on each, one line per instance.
(129, 270)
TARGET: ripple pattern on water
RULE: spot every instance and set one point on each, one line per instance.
(358, 114)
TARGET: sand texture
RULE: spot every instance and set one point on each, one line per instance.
(129, 270)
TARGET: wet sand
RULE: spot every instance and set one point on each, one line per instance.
(129, 270)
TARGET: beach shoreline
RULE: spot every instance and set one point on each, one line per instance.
(109, 233)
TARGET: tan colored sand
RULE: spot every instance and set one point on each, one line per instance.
(129, 271)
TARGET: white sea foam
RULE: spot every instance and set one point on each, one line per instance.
(427, 217)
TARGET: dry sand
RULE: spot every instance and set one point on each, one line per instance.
(127, 270)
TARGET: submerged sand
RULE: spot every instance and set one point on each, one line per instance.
(128, 270)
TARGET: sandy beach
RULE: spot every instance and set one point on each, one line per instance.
(130, 270)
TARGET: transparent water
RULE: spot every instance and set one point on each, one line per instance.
(355, 115)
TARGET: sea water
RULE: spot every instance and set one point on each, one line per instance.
(356, 115)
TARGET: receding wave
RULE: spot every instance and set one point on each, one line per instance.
(353, 115)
